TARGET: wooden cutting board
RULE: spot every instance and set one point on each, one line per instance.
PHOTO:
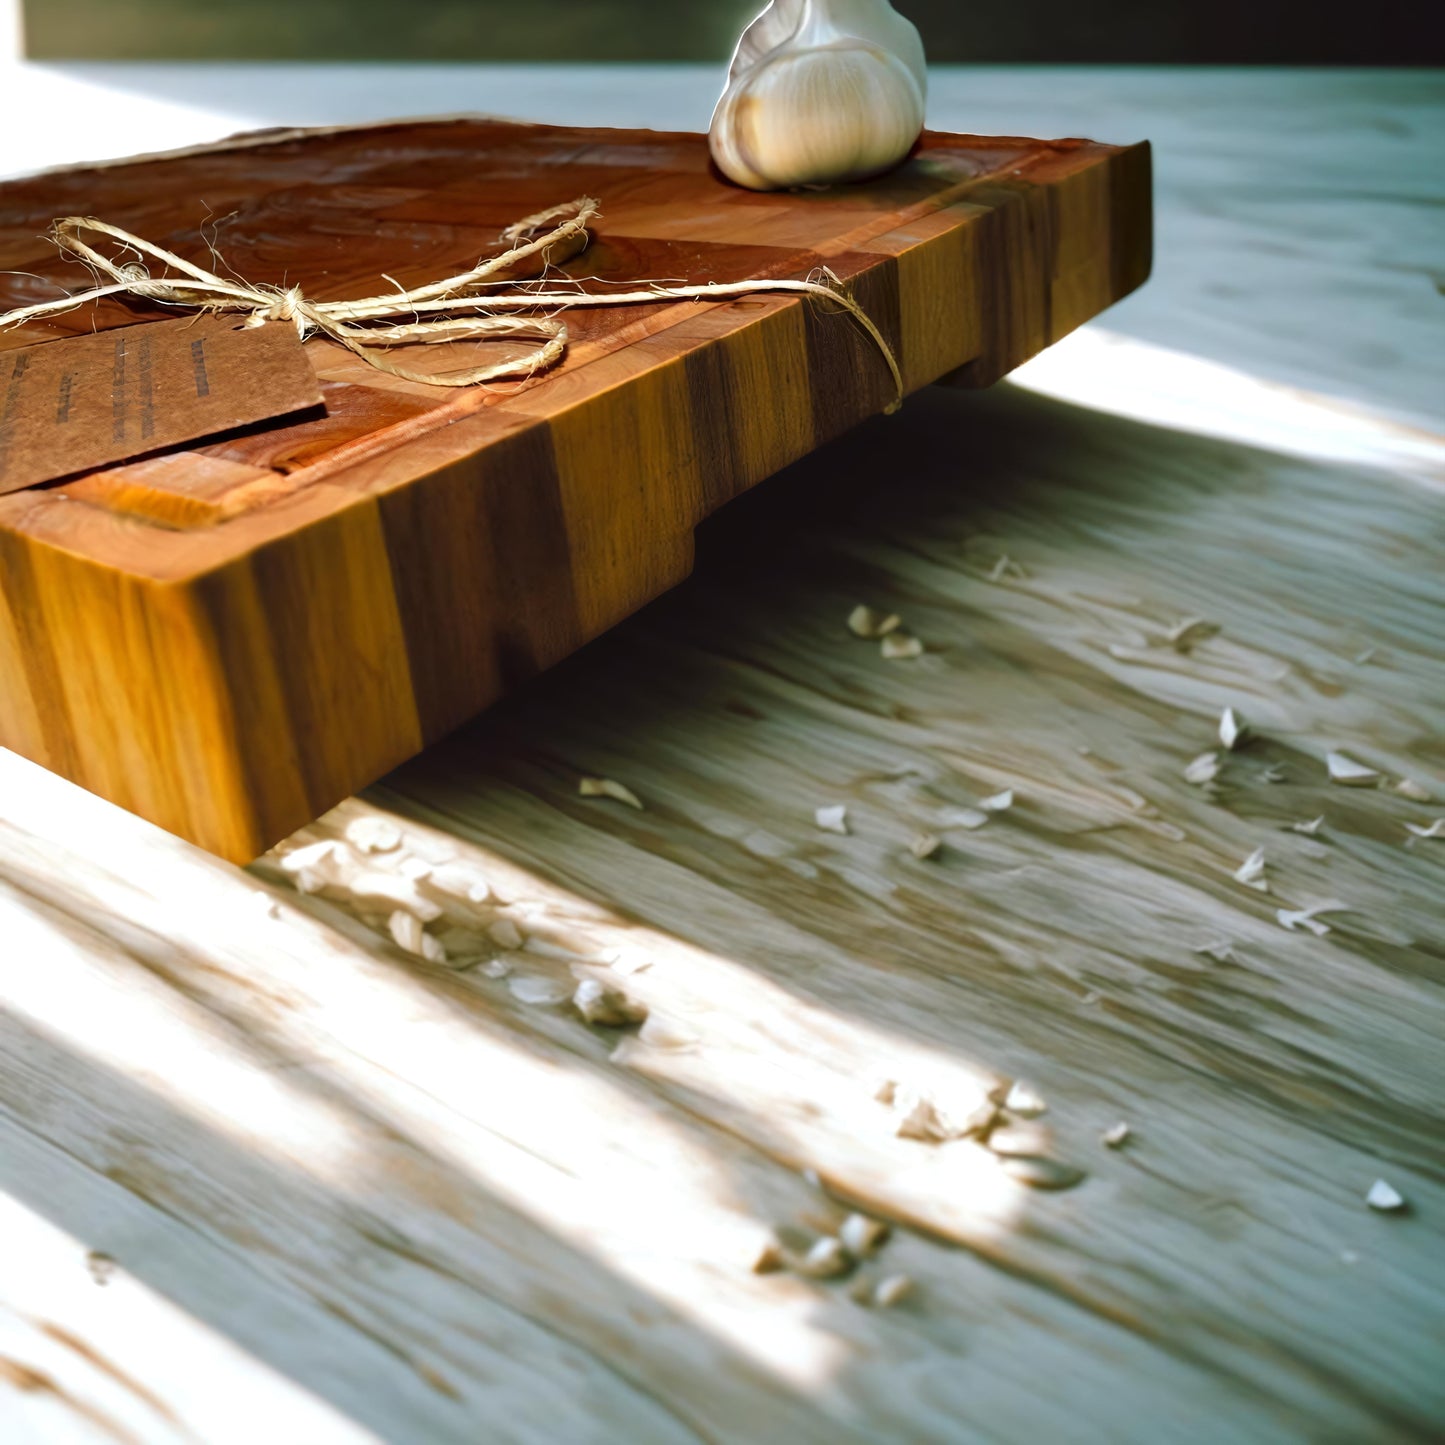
(230, 638)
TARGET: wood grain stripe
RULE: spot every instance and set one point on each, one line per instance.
(335, 632)
(34, 720)
(483, 571)
(230, 645)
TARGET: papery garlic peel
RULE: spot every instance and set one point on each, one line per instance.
(820, 91)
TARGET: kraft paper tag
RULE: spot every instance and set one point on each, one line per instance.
(84, 402)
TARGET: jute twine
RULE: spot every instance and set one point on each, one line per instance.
(466, 307)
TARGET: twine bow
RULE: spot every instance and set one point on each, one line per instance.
(466, 307)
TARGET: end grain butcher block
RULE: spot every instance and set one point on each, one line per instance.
(230, 638)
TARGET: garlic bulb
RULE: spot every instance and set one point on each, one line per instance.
(820, 91)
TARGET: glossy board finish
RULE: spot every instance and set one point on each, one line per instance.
(229, 639)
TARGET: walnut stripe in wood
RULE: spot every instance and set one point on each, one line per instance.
(229, 639)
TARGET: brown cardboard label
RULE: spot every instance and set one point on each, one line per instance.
(84, 402)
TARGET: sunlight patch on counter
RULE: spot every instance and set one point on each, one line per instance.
(76, 119)
(90, 1341)
(295, 1046)
(1107, 372)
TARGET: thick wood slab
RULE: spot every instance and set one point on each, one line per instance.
(350, 1194)
(229, 640)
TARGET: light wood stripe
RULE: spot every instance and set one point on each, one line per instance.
(230, 648)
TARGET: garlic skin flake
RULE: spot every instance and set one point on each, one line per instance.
(1023, 1101)
(537, 989)
(1347, 771)
(371, 834)
(1204, 769)
(1293, 919)
(1385, 1197)
(609, 788)
(1190, 631)
(868, 622)
(825, 1260)
(1232, 730)
(897, 646)
(609, 1007)
(407, 932)
(861, 1236)
(820, 91)
(892, 1291)
(1251, 872)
